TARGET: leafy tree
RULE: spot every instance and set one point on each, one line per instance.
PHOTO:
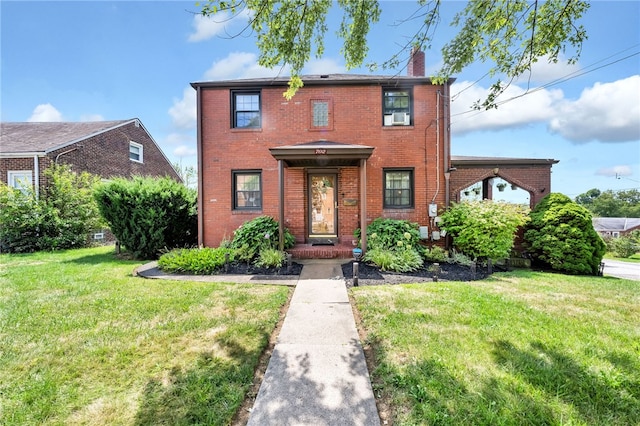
(61, 218)
(561, 236)
(188, 174)
(148, 215)
(625, 245)
(484, 229)
(609, 203)
(511, 34)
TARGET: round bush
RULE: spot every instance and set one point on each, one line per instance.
(560, 236)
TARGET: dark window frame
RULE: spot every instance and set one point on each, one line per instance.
(388, 110)
(235, 111)
(235, 192)
(386, 196)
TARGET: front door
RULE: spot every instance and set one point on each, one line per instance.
(323, 207)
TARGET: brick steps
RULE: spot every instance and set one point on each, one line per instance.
(308, 251)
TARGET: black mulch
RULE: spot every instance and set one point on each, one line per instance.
(243, 268)
(371, 275)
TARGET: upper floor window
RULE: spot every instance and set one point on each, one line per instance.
(396, 107)
(398, 188)
(135, 152)
(20, 179)
(321, 114)
(247, 190)
(246, 110)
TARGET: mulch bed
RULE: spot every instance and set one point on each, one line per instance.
(372, 275)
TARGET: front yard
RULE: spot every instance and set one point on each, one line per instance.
(517, 348)
(84, 342)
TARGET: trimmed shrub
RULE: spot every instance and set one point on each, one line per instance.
(200, 261)
(259, 234)
(148, 215)
(560, 235)
(61, 218)
(484, 229)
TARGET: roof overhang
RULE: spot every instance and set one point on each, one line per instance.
(464, 161)
(322, 154)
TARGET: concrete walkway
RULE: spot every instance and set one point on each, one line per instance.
(317, 373)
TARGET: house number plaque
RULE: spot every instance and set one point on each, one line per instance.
(321, 151)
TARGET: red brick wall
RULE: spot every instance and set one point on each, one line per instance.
(535, 179)
(357, 119)
(105, 155)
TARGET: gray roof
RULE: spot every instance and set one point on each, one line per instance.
(320, 79)
(459, 160)
(25, 137)
(618, 224)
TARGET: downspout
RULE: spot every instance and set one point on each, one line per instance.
(447, 145)
(435, 194)
(65, 152)
(200, 167)
(36, 174)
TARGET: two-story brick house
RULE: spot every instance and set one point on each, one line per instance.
(343, 151)
(122, 148)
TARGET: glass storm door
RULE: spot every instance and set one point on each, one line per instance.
(323, 213)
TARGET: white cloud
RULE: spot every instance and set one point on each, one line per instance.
(206, 27)
(183, 112)
(606, 112)
(534, 107)
(545, 71)
(184, 151)
(45, 112)
(239, 65)
(180, 138)
(324, 66)
(91, 117)
(615, 171)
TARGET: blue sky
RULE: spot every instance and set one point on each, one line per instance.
(86, 60)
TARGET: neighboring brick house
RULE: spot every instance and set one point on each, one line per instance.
(614, 227)
(122, 148)
(346, 149)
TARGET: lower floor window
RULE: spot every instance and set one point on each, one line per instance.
(20, 179)
(398, 188)
(247, 190)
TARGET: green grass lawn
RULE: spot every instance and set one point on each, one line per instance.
(518, 348)
(633, 259)
(82, 341)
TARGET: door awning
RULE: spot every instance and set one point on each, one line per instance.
(322, 154)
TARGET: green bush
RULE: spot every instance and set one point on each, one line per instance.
(148, 215)
(484, 229)
(61, 218)
(436, 254)
(386, 233)
(259, 234)
(270, 258)
(625, 245)
(393, 245)
(200, 261)
(560, 235)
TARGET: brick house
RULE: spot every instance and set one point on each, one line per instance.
(108, 149)
(346, 149)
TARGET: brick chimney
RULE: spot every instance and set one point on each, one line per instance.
(415, 67)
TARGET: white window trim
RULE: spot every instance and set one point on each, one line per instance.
(140, 150)
(12, 175)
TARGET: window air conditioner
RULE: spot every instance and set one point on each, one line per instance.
(401, 119)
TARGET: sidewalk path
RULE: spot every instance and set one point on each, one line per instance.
(317, 373)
